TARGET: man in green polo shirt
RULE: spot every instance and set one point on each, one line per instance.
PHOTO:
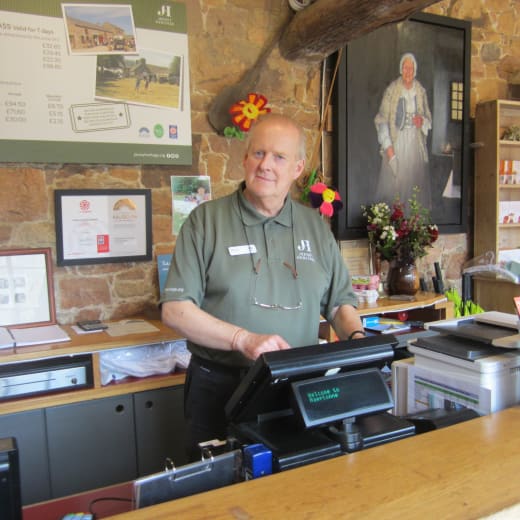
(252, 273)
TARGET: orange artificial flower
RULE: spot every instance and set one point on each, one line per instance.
(247, 111)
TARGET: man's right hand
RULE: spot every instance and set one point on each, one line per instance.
(196, 325)
(253, 345)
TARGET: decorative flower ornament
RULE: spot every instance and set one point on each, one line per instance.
(326, 199)
(245, 113)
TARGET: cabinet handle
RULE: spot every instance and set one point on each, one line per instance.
(120, 408)
(148, 404)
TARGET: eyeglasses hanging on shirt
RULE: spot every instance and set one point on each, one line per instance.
(282, 282)
(276, 286)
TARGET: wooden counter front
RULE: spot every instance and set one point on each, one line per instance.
(465, 471)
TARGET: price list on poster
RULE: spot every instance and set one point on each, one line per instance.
(94, 82)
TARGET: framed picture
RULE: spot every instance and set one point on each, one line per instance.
(26, 288)
(401, 120)
(103, 226)
(188, 192)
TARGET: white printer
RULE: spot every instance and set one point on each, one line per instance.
(472, 362)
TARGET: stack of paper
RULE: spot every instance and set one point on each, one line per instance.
(11, 337)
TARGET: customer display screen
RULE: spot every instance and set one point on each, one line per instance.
(327, 399)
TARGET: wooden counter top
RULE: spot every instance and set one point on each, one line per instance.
(420, 300)
(87, 343)
(96, 342)
(93, 344)
(465, 471)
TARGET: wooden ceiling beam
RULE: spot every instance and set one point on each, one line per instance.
(327, 25)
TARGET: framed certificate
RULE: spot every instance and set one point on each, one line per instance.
(26, 288)
(103, 226)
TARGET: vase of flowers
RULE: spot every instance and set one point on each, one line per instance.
(400, 239)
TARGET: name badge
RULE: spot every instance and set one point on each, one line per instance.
(242, 250)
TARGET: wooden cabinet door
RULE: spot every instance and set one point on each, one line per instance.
(28, 428)
(159, 418)
(91, 444)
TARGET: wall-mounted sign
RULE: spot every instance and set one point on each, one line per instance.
(94, 82)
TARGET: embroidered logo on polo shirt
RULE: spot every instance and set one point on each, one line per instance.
(305, 251)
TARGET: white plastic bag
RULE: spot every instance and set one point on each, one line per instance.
(160, 358)
(485, 264)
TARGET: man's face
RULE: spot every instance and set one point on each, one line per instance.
(271, 163)
(408, 71)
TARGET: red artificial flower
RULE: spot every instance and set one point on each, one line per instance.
(247, 111)
(325, 198)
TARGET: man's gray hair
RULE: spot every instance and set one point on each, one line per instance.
(285, 119)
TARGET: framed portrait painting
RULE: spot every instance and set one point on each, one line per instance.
(401, 120)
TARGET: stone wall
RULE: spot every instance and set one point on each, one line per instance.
(225, 38)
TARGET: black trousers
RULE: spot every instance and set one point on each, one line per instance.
(207, 389)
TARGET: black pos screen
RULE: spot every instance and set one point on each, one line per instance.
(276, 379)
(332, 398)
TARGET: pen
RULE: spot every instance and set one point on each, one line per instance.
(12, 337)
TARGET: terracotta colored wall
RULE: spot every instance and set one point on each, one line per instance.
(225, 37)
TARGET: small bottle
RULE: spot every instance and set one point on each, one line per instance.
(501, 172)
(509, 173)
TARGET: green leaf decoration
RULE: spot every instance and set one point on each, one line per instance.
(461, 307)
(307, 188)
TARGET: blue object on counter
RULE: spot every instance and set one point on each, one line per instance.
(258, 461)
(370, 320)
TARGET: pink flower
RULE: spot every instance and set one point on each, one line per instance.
(326, 199)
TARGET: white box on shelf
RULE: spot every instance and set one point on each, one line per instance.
(508, 255)
(504, 210)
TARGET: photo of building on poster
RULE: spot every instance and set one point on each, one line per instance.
(115, 80)
(187, 193)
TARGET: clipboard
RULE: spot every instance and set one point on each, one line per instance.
(211, 472)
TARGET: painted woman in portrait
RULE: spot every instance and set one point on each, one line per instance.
(403, 123)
